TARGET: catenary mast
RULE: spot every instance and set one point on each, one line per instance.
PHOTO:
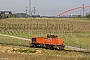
(30, 7)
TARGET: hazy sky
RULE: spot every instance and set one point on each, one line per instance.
(43, 7)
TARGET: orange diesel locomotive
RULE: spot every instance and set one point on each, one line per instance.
(49, 42)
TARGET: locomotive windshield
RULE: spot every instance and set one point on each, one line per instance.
(33, 40)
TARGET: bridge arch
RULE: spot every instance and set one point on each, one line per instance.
(72, 9)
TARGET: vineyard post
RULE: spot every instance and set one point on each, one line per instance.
(47, 27)
(62, 31)
(87, 47)
(13, 42)
(17, 43)
(38, 27)
(30, 30)
(7, 41)
(80, 47)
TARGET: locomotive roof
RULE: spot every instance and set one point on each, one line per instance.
(39, 37)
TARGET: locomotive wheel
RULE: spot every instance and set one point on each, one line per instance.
(51, 47)
(46, 47)
(32, 45)
(35, 46)
(61, 48)
(41, 46)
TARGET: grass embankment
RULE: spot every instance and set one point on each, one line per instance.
(24, 53)
(81, 40)
(13, 41)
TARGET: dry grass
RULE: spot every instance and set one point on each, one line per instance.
(41, 54)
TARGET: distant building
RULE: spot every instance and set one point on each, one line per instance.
(5, 14)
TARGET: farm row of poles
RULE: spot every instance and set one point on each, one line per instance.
(35, 28)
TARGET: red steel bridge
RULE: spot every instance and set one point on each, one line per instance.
(72, 10)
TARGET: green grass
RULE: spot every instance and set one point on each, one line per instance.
(13, 41)
(77, 39)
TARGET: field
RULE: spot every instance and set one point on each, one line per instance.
(74, 32)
